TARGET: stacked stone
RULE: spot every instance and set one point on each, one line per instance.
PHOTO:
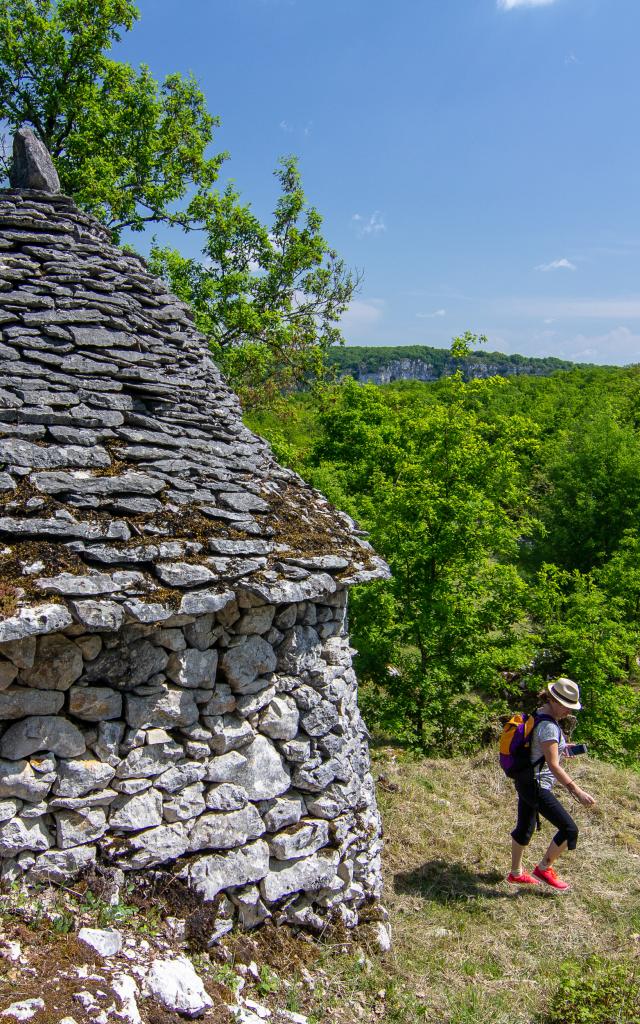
(176, 686)
(234, 736)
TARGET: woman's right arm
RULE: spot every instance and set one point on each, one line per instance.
(550, 750)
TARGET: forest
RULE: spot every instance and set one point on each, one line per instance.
(507, 510)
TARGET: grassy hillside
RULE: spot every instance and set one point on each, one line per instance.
(465, 940)
(468, 948)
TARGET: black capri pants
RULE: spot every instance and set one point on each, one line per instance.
(533, 800)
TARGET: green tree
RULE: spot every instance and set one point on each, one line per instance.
(128, 148)
(269, 299)
(585, 632)
(589, 486)
(445, 503)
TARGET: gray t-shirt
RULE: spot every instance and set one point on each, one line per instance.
(543, 732)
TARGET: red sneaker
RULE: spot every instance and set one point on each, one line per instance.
(549, 876)
(522, 879)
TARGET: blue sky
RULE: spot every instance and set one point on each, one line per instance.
(478, 160)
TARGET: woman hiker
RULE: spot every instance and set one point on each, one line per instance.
(535, 794)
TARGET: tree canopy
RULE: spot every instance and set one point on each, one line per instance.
(268, 298)
(128, 148)
(134, 152)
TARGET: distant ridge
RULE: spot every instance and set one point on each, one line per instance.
(383, 365)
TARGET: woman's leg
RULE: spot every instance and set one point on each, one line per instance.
(566, 838)
(521, 835)
(517, 853)
(553, 852)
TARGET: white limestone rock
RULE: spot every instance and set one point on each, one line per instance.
(193, 668)
(244, 663)
(220, 769)
(127, 991)
(132, 813)
(107, 746)
(9, 809)
(183, 574)
(102, 616)
(177, 987)
(251, 910)
(103, 941)
(282, 812)
(21, 653)
(221, 702)
(321, 719)
(95, 703)
(101, 798)
(19, 780)
(301, 840)
(188, 803)
(171, 639)
(225, 831)
(226, 797)
(46, 732)
(280, 719)
(160, 845)
(169, 708)
(18, 835)
(256, 620)
(228, 733)
(77, 777)
(211, 874)
(20, 701)
(80, 827)
(8, 672)
(43, 618)
(146, 762)
(25, 1009)
(308, 875)
(180, 776)
(299, 651)
(264, 774)
(60, 865)
(252, 703)
(57, 665)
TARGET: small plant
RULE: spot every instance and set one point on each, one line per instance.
(268, 982)
(62, 923)
(596, 991)
(225, 975)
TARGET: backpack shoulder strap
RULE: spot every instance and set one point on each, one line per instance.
(545, 718)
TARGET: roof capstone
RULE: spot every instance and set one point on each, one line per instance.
(32, 167)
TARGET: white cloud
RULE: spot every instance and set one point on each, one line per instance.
(360, 317)
(510, 5)
(571, 59)
(372, 225)
(285, 126)
(430, 316)
(563, 264)
(618, 346)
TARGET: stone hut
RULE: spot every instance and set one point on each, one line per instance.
(176, 688)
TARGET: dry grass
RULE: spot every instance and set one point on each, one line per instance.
(464, 939)
(468, 948)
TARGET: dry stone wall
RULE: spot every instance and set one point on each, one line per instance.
(176, 688)
(227, 747)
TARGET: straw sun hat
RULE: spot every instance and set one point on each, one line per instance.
(566, 692)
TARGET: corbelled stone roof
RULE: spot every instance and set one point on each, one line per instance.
(125, 468)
